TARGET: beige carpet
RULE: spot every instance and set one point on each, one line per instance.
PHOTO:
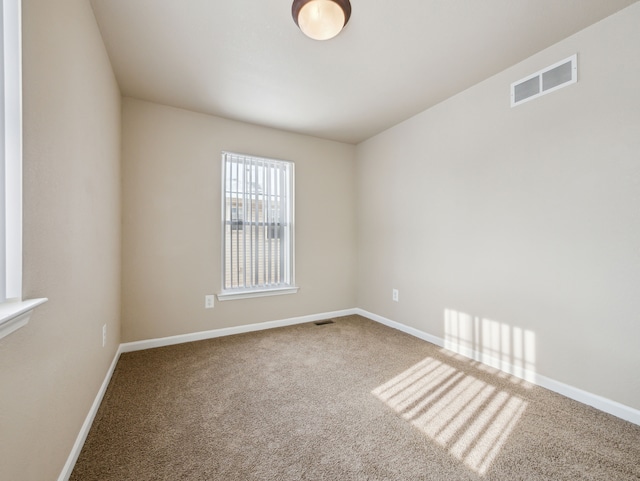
(352, 400)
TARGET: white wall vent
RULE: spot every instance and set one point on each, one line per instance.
(546, 80)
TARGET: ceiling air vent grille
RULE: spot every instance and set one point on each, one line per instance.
(546, 80)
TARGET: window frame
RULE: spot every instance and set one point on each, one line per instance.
(231, 293)
(14, 311)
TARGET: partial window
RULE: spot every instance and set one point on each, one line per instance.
(257, 221)
(10, 156)
(14, 311)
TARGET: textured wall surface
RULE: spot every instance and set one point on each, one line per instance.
(51, 370)
(172, 218)
(515, 231)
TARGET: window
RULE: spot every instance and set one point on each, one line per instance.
(14, 312)
(257, 227)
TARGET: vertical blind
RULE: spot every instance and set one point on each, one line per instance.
(257, 222)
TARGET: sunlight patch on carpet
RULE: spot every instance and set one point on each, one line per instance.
(470, 418)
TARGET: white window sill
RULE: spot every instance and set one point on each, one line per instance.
(240, 294)
(16, 314)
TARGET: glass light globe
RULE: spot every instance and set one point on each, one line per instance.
(321, 19)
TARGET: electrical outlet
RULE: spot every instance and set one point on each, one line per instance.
(208, 301)
(395, 295)
(104, 335)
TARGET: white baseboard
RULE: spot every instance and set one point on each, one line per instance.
(168, 341)
(86, 426)
(603, 404)
(401, 327)
(229, 331)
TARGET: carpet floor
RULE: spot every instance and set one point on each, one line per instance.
(351, 400)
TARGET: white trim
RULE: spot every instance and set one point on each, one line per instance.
(603, 404)
(12, 135)
(167, 341)
(541, 91)
(239, 294)
(229, 331)
(458, 349)
(401, 327)
(16, 314)
(86, 426)
(288, 263)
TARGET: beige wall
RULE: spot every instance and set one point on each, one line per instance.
(171, 221)
(523, 219)
(51, 370)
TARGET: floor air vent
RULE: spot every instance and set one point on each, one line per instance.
(545, 81)
(322, 323)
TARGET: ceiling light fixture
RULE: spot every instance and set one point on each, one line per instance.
(321, 19)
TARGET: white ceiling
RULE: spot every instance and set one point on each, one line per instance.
(246, 59)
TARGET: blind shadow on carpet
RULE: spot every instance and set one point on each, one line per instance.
(350, 400)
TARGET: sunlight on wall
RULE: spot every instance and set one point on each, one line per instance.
(508, 348)
(469, 417)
